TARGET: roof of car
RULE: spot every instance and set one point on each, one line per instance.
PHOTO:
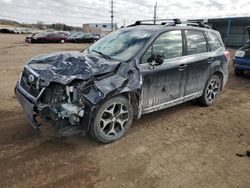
(148, 27)
(166, 24)
(157, 28)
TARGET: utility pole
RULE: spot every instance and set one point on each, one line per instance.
(155, 8)
(112, 14)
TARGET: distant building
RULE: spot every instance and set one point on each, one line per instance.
(99, 26)
(231, 29)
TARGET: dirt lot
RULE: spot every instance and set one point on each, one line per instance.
(184, 146)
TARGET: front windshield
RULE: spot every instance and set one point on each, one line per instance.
(121, 44)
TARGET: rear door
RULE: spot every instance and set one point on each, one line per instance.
(162, 83)
(52, 37)
(197, 61)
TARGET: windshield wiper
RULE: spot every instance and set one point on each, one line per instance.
(102, 54)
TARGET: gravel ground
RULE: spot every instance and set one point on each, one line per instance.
(183, 146)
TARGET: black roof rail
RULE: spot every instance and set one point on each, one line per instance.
(197, 24)
(170, 22)
(163, 22)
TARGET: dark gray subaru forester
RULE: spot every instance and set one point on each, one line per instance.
(132, 71)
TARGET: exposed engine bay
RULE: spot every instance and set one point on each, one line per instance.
(61, 102)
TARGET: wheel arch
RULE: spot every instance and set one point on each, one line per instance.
(131, 96)
(221, 77)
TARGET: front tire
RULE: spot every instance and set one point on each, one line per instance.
(211, 91)
(112, 119)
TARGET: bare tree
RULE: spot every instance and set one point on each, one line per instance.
(40, 25)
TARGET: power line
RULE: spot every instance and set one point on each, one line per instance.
(112, 14)
(155, 8)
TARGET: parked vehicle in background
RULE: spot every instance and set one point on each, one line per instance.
(47, 37)
(128, 73)
(241, 59)
(65, 33)
(74, 36)
(90, 38)
(16, 30)
(29, 37)
(83, 38)
(62, 36)
(5, 30)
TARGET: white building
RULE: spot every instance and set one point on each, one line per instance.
(101, 26)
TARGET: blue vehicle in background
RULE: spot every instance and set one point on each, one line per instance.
(241, 59)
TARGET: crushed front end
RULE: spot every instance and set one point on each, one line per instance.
(54, 102)
(66, 88)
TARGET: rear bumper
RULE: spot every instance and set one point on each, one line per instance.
(242, 64)
(28, 108)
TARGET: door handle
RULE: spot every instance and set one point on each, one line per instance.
(210, 60)
(182, 67)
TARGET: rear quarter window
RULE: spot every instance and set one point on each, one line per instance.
(213, 41)
(196, 42)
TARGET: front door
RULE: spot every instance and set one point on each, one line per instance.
(163, 83)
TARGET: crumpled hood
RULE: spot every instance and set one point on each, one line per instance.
(67, 66)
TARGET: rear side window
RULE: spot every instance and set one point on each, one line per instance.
(51, 35)
(213, 41)
(196, 42)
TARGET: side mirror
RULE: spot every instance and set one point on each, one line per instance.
(156, 59)
(159, 59)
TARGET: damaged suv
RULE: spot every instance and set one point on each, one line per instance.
(132, 71)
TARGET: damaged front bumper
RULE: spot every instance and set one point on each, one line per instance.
(28, 108)
(33, 108)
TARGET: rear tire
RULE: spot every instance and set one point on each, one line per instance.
(112, 119)
(211, 91)
(238, 72)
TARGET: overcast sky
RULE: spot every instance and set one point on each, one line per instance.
(76, 12)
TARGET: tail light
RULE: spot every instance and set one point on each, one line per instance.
(227, 55)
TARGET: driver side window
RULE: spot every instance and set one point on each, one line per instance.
(168, 45)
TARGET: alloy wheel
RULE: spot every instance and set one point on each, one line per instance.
(212, 90)
(114, 120)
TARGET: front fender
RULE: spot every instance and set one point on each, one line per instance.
(125, 80)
